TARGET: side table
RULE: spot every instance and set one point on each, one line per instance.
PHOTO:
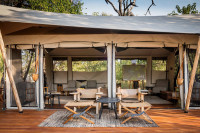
(107, 100)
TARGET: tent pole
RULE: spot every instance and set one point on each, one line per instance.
(181, 75)
(41, 77)
(194, 69)
(10, 76)
(186, 77)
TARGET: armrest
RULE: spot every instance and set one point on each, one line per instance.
(142, 93)
(74, 93)
(99, 93)
(118, 93)
(141, 96)
(76, 96)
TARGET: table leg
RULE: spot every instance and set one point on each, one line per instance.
(115, 110)
(48, 99)
(101, 110)
(53, 99)
(59, 100)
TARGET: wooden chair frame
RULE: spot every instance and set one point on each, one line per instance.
(139, 95)
(98, 94)
(74, 114)
(136, 112)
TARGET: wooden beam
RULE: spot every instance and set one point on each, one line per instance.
(10, 76)
(192, 78)
(69, 67)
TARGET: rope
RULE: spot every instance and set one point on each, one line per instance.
(37, 62)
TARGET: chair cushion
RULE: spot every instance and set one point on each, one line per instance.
(81, 84)
(161, 85)
(91, 84)
(71, 84)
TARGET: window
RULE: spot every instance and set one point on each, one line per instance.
(159, 64)
(89, 66)
(59, 65)
(119, 75)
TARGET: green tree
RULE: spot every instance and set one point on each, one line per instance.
(189, 9)
(89, 66)
(59, 6)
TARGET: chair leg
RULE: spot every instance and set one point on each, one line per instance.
(70, 115)
(120, 108)
(144, 118)
(80, 115)
(87, 119)
(89, 114)
(97, 108)
(123, 114)
(126, 120)
(68, 120)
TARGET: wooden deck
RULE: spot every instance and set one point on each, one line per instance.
(169, 120)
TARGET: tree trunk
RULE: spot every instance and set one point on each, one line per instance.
(29, 64)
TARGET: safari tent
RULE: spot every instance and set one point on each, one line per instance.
(55, 36)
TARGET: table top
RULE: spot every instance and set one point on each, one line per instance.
(108, 100)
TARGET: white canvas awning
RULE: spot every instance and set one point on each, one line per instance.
(23, 26)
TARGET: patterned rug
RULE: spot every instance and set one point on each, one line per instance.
(107, 120)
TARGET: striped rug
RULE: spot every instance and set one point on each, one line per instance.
(107, 120)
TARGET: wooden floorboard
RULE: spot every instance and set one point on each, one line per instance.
(168, 120)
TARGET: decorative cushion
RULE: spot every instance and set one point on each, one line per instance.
(81, 84)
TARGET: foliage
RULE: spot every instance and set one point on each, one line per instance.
(102, 14)
(89, 66)
(59, 6)
(26, 55)
(60, 65)
(189, 9)
(159, 65)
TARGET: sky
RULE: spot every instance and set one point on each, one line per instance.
(163, 7)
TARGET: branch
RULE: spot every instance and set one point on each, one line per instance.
(108, 1)
(27, 70)
(120, 7)
(148, 10)
(130, 4)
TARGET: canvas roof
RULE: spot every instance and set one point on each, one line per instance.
(23, 26)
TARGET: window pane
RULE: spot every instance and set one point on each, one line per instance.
(159, 65)
(60, 65)
(89, 66)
